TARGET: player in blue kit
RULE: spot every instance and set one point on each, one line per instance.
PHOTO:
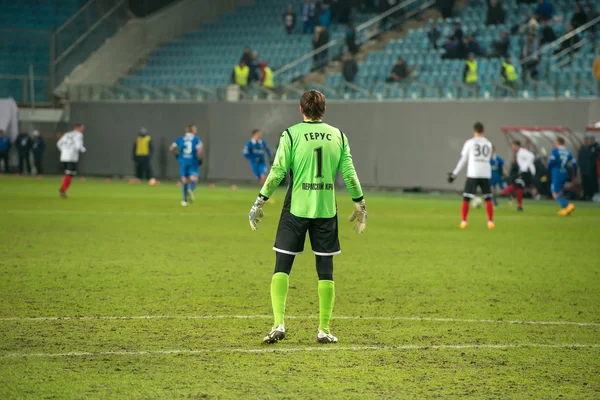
(189, 151)
(257, 151)
(559, 164)
(497, 164)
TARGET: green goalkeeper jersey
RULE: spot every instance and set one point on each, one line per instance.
(313, 152)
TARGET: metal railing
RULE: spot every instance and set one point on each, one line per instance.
(335, 47)
(66, 47)
(83, 33)
(411, 90)
(546, 48)
(17, 45)
(26, 92)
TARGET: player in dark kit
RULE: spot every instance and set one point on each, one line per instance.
(312, 152)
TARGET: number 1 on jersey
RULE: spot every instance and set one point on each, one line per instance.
(319, 151)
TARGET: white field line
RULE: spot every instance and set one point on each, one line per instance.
(241, 213)
(276, 349)
(352, 318)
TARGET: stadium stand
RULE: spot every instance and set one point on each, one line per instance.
(563, 75)
(30, 30)
(207, 56)
(26, 27)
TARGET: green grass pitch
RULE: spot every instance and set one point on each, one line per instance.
(172, 302)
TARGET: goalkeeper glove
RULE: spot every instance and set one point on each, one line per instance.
(256, 212)
(359, 217)
(451, 177)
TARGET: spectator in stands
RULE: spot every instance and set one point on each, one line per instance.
(266, 76)
(289, 20)
(321, 38)
(4, 149)
(349, 67)
(596, 69)
(308, 16)
(351, 42)
(470, 74)
(579, 16)
(434, 35)
(241, 74)
(530, 50)
(495, 13)
(254, 68)
(528, 24)
(445, 7)
(458, 33)
(472, 46)
(23, 144)
(533, 26)
(38, 147)
(591, 15)
(342, 10)
(569, 44)
(544, 10)
(400, 72)
(323, 10)
(451, 49)
(247, 55)
(509, 74)
(587, 160)
(547, 34)
(500, 47)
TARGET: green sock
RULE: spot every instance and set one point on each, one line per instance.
(279, 290)
(326, 299)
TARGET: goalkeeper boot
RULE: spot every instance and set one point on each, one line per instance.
(326, 338)
(275, 335)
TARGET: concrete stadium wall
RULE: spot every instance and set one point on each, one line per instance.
(394, 144)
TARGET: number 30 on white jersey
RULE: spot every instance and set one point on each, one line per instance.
(477, 152)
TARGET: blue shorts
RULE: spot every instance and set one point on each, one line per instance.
(497, 181)
(558, 181)
(188, 169)
(258, 169)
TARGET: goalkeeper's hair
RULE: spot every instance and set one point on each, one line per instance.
(478, 127)
(313, 104)
(560, 140)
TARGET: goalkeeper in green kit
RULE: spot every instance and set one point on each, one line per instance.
(312, 152)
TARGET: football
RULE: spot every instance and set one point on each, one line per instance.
(476, 202)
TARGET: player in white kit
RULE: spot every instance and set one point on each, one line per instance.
(70, 145)
(526, 162)
(477, 152)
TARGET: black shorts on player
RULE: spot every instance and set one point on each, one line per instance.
(524, 180)
(70, 168)
(291, 235)
(471, 186)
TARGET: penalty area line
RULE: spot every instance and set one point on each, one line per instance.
(351, 318)
(276, 349)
